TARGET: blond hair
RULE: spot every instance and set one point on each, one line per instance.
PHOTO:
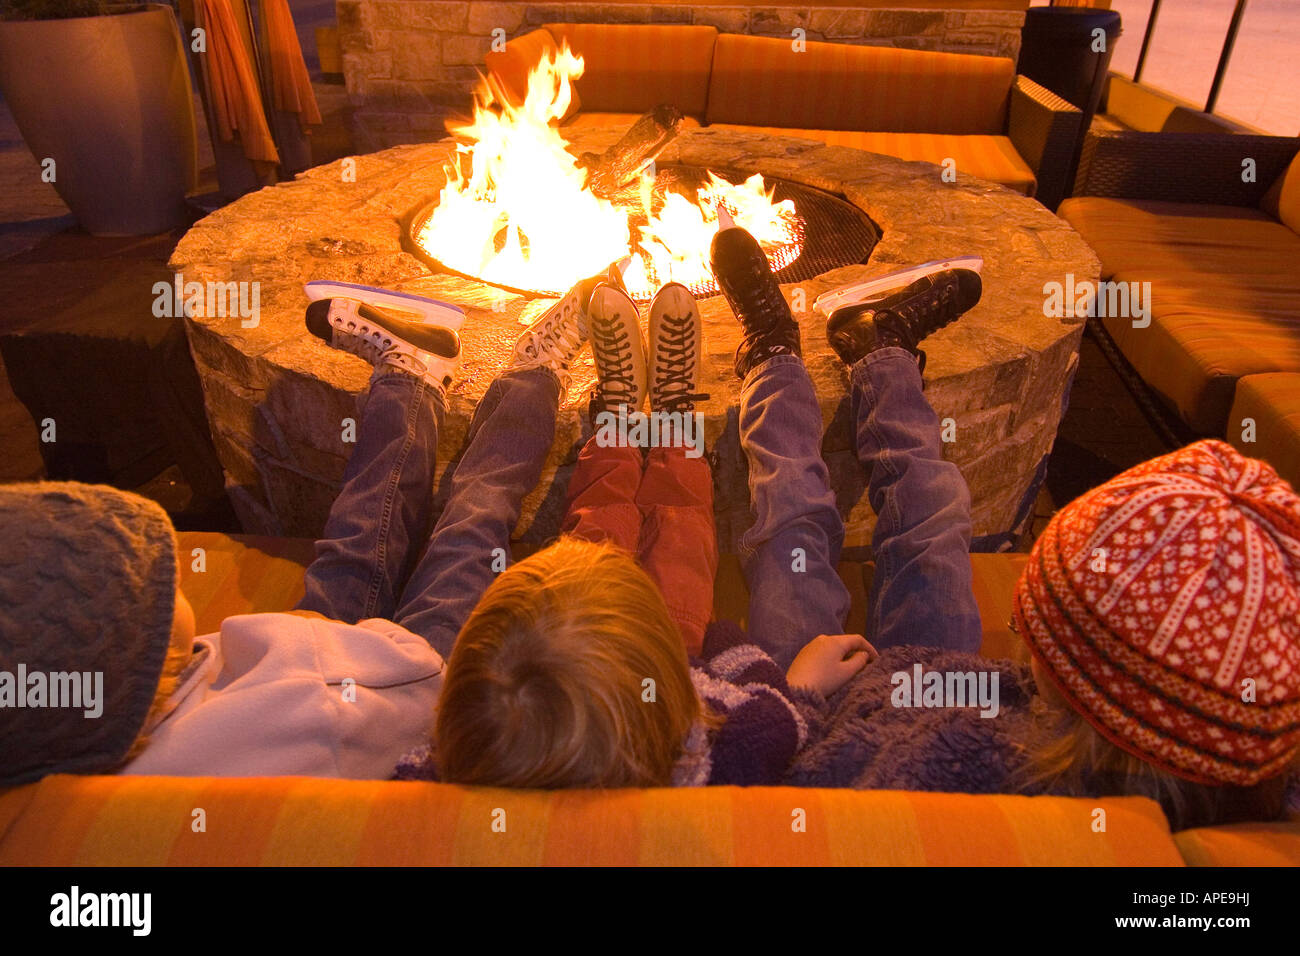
(1069, 756)
(569, 673)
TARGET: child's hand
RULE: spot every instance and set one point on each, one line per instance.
(828, 661)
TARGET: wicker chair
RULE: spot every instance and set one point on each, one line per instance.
(1043, 128)
(1181, 167)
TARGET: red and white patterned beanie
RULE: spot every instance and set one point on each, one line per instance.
(1165, 606)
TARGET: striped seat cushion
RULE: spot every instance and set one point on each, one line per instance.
(633, 68)
(989, 157)
(1230, 242)
(1193, 355)
(763, 81)
(1225, 296)
(1242, 844)
(149, 821)
(1272, 402)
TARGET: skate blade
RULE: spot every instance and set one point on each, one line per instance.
(828, 303)
(414, 308)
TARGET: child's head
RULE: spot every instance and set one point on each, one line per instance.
(1163, 609)
(569, 673)
(93, 629)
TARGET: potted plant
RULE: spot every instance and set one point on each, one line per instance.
(101, 93)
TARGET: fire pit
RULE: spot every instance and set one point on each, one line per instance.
(825, 233)
(279, 401)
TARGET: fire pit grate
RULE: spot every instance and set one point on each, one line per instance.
(832, 233)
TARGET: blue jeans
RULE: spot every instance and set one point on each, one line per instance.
(373, 560)
(921, 591)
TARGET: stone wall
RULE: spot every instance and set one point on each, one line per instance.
(411, 63)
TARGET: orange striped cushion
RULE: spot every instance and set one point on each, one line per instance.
(149, 821)
(1205, 242)
(1273, 401)
(240, 574)
(762, 81)
(1193, 356)
(989, 157)
(1242, 844)
(633, 68)
(508, 69)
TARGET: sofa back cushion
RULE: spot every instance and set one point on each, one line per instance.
(508, 68)
(762, 81)
(633, 68)
(1283, 199)
(145, 821)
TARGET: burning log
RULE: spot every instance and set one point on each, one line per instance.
(609, 172)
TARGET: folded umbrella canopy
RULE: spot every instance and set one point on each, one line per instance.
(233, 95)
(290, 84)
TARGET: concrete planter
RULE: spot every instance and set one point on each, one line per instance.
(108, 100)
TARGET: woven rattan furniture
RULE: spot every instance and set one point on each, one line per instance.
(1205, 225)
(1181, 167)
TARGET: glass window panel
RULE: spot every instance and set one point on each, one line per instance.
(1133, 16)
(1262, 85)
(1185, 47)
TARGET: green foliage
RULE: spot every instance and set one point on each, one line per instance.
(51, 9)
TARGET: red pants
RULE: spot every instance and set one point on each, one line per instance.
(659, 507)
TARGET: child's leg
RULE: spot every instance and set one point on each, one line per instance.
(601, 503)
(791, 552)
(385, 504)
(512, 431)
(921, 592)
(679, 546)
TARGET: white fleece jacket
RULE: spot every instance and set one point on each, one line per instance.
(270, 695)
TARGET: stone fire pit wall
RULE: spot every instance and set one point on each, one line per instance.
(411, 63)
(277, 399)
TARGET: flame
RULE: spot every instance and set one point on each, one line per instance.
(515, 210)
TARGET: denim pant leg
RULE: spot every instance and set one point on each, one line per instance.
(381, 516)
(791, 552)
(509, 438)
(921, 592)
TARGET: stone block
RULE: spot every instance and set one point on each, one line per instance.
(486, 17)
(838, 24)
(537, 14)
(418, 57)
(725, 19)
(672, 14)
(777, 21)
(465, 50)
(408, 15)
(901, 23)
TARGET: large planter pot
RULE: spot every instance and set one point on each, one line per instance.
(108, 99)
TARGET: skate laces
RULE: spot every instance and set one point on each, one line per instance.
(617, 382)
(926, 313)
(558, 339)
(675, 364)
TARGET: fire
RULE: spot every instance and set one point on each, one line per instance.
(516, 210)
